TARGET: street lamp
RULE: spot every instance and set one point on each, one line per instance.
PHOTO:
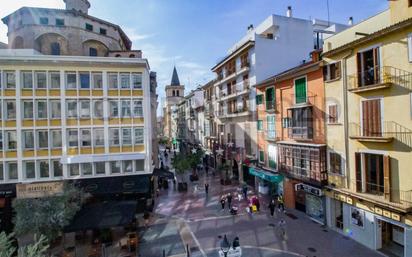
(225, 246)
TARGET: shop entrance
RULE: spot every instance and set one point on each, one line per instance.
(338, 214)
(392, 239)
(300, 200)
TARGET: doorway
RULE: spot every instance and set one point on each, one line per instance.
(392, 239)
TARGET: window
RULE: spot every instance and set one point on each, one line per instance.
(126, 136)
(84, 80)
(41, 80)
(12, 171)
(55, 80)
(72, 109)
(55, 48)
(139, 165)
(333, 114)
(27, 79)
(43, 139)
(44, 168)
(272, 155)
(301, 123)
(87, 169)
(1, 141)
(56, 138)
(98, 109)
(44, 20)
(28, 140)
(98, 137)
(260, 125)
(97, 80)
(11, 140)
(73, 137)
(86, 137)
(261, 156)
(373, 174)
(89, 27)
(138, 136)
(409, 3)
(29, 170)
(84, 109)
(10, 80)
(335, 163)
(137, 80)
(59, 22)
(100, 168)
(74, 169)
(368, 67)
(28, 110)
(300, 90)
(271, 131)
(115, 167)
(55, 109)
(11, 110)
(92, 51)
(127, 166)
(410, 47)
(41, 107)
(113, 80)
(331, 71)
(1, 172)
(114, 138)
(71, 81)
(259, 99)
(124, 80)
(126, 112)
(114, 109)
(138, 108)
(270, 98)
(285, 122)
(103, 31)
(57, 168)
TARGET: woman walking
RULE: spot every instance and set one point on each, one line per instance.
(272, 206)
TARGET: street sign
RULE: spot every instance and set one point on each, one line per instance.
(232, 252)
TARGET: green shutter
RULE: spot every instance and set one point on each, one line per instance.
(300, 90)
(270, 98)
(260, 125)
(261, 156)
(259, 99)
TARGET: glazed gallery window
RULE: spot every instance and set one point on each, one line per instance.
(124, 80)
(55, 109)
(138, 136)
(43, 139)
(86, 137)
(72, 109)
(57, 168)
(10, 110)
(10, 78)
(137, 80)
(73, 137)
(84, 109)
(87, 169)
(97, 80)
(28, 140)
(41, 80)
(27, 79)
(11, 170)
(11, 140)
(28, 110)
(100, 168)
(84, 80)
(335, 163)
(126, 111)
(98, 137)
(41, 109)
(114, 137)
(71, 80)
(29, 170)
(138, 108)
(126, 136)
(114, 109)
(56, 138)
(55, 80)
(112, 80)
(43, 166)
(74, 170)
(115, 167)
(98, 109)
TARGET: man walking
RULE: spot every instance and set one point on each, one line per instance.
(272, 205)
(223, 202)
(229, 200)
(244, 189)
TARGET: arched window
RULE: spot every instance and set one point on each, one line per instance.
(173, 93)
(55, 48)
(177, 92)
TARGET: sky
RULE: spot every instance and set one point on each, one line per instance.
(194, 34)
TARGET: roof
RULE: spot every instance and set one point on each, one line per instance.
(387, 30)
(234, 53)
(175, 78)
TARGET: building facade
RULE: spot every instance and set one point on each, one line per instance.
(368, 98)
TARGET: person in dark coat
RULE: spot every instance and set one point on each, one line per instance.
(223, 202)
(244, 190)
(229, 200)
(272, 206)
(206, 188)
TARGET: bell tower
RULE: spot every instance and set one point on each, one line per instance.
(78, 5)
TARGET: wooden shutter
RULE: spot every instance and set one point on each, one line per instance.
(371, 118)
(358, 172)
(333, 113)
(387, 177)
(337, 70)
(359, 66)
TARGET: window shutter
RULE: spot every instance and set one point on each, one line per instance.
(387, 177)
(359, 66)
(325, 73)
(333, 114)
(300, 90)
(338, 70)
(358, 171)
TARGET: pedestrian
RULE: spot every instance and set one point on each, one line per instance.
(282, 228)
(271, 206)
(244, 189)
(257, 204)
(207, 188)
(223, 202)
(229, 200)
(281, 203)
(146, 217)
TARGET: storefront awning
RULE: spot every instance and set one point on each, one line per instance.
(266, 175)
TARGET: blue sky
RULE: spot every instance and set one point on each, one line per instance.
(193, 34)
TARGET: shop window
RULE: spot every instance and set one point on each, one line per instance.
(56, 138)
(27, 79)
(332, 71)
(57, 168)
(28, 110)
(41, 109)
(29, 170)
(335, 163)
(42, 139)
(84, 80)
(41, 80)
(44, 168)
(55, 80)
(100, 168)
(98, 137)
(28, 140)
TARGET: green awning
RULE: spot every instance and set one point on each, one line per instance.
(266, 175)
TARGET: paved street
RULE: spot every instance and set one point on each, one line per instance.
(197, 220)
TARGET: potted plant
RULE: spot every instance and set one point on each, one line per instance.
(181, 165)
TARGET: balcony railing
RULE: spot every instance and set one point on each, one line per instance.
(308, 99)
(304, 133)
(379, 77)
(235, 91)
(378, 131)
(270, 106)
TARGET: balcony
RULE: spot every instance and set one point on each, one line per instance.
(379, 77)
(231, 75)
(300, 133)
(308, 99)
(235, 91)
(271, 106)
(379, 132)
(238, 112)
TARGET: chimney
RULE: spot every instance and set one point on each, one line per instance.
(350, 21)
(289, 12)
(250, 27)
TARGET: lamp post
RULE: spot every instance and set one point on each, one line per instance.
(225, 246)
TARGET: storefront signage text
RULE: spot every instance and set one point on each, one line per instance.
(38, 190)
(308, 189)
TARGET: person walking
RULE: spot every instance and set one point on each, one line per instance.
(281, 226)
(206, 188)
(272, 206)
(244, 190)
(223, 202)
(229, 200)
(281, 203)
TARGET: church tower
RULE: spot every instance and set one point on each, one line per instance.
(174, 94)
(175, 89)
(78, 5)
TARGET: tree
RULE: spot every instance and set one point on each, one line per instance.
(47, 215)
(37, 249)
(195, 159)
(182, 164)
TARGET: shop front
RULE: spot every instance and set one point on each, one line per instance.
(309, 199)
(266, 182)
(7, 194)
